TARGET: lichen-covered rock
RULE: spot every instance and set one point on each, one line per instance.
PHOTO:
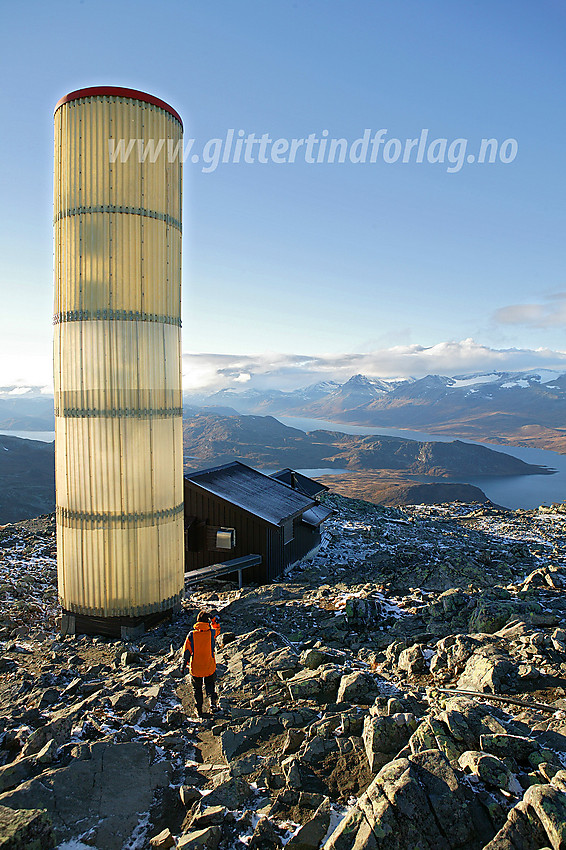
(519, 832)
(25, 829)
(486, 671)
(432, 734)
(312, 659)
(386, 736)
(13, 774)
(412, 803)
(549, 805)
(320, 684)
(510, 746)
(559, 780)
(491, 770)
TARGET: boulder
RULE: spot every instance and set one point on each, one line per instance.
(491, 770)
(205, 815)
(25, 829)
(310, 835)
(201, 839)
(231, 793)
(519, 832)
(486, 671)
(163, 841)
(385, 736)
(123, 701)
(312, 659)
(411, 660)
(265, 836)
(549, 805)
(293, 740)
(58, 728)
(320, 684)
(359, 688)
(509, 746)
(414, 803)
(106, 793)
(282, 660)
(236, 742)
(13, 774)
(189, 795)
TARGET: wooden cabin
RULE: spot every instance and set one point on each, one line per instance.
(233, 510)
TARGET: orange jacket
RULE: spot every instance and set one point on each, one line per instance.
(199, 648)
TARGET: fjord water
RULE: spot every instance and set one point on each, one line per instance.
(513, 491)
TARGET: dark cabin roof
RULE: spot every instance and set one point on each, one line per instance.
(300, 482)
(316, 516)
(252, 491)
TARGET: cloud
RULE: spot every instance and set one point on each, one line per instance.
(546, 315)
(207, 373)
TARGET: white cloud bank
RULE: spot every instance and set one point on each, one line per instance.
(210, 372)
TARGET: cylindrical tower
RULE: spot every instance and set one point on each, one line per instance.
(117, 358)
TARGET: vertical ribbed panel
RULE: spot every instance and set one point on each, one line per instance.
(117, 360)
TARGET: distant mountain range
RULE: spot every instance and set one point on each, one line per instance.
(26, 409)
(528, 408)
(525, 408)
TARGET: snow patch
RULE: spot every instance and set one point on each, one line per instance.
(469, 381)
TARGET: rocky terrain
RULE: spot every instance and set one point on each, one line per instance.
(343, 721)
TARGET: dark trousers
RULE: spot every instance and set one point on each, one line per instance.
(209, 683)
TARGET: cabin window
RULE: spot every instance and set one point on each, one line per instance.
(220, 538)
(226, 538)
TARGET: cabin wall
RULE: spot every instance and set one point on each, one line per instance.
(304, 541)
(253, 536)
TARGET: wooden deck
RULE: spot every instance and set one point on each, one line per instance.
(236, 565)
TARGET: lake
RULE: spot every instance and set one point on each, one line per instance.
(515, 491)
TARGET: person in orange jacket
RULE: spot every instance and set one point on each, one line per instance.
(198, 653)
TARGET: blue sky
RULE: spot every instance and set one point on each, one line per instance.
(396, 263)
